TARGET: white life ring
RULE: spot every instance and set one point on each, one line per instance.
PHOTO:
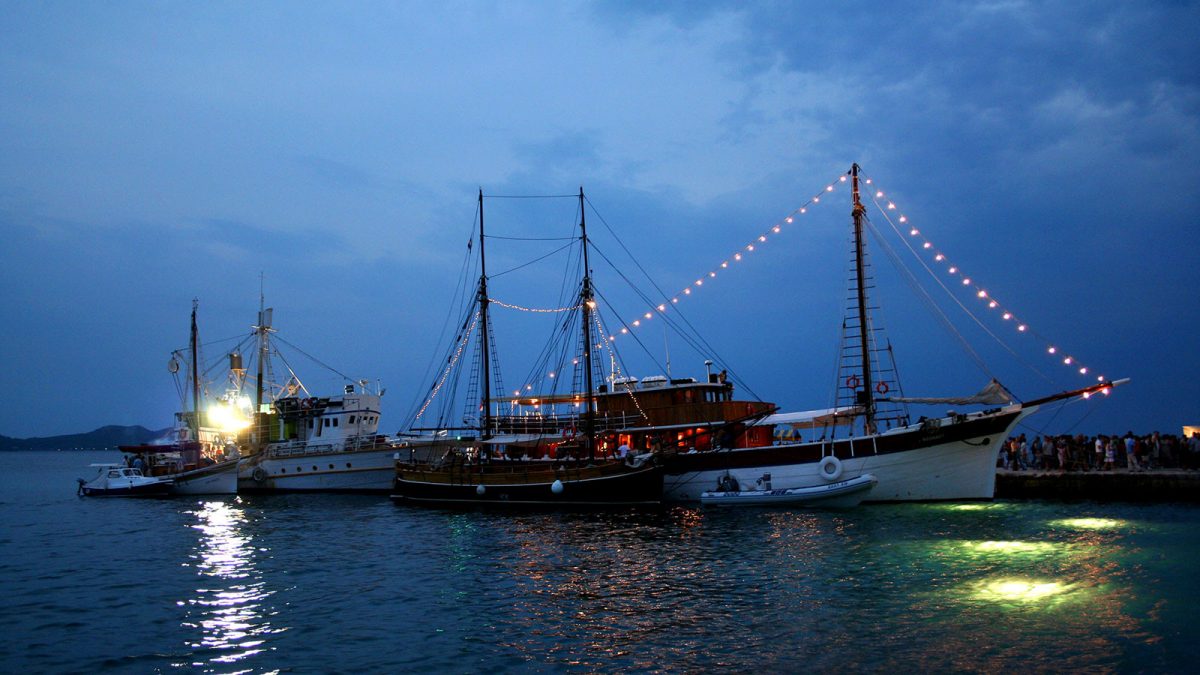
(830, 467)
(259, 474)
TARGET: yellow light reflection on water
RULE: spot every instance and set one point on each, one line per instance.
(1012, 546)
(1020, 590)
(1091, 523)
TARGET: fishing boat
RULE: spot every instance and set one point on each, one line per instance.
(295, 441)
(838, 495)
(118, 480)
(524, 459)
(198, 458)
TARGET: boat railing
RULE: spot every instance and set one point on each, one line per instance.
(349, 445)
(567, 426)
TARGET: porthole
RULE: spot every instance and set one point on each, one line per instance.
(314, 467)
(283, 471)
(347, 465)
(331, 466)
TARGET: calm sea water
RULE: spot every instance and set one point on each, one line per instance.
(356, 584)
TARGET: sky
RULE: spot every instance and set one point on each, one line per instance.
(156, 152)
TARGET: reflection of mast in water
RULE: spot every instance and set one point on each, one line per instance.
(227, 606)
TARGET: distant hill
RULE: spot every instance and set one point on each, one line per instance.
(104, 438)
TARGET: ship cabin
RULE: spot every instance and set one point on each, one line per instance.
(653, 413)
(333, 420)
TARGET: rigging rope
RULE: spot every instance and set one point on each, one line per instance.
(958, 302)
(537, 259)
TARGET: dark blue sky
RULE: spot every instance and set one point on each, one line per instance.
(155, 152)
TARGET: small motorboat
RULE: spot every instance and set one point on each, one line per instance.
(118, 480)
(842, 494)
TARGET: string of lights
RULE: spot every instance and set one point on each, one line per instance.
(531, 309)
(887, 206)
(449, 366)
(606, 343)
(737, 256)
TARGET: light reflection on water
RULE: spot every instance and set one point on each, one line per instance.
(317, 583)
(226, 614)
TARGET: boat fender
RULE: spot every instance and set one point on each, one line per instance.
(259, 474)
(479, 489)
(557, 487)
(831, 468)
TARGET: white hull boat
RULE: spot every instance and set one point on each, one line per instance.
(841, 494)
(215, 479)
(299, 468)
(117, 480)
(954, 459)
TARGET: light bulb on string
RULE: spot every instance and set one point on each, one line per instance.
(940, 257)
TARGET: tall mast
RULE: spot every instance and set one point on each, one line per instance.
(588, 304)
(262, 350)
(867, 398)
(486, 419)
(195, 374)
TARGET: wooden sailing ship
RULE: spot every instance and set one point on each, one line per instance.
(540, 461)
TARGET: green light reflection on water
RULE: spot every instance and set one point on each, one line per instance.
(1090, 523)
(1017, 590)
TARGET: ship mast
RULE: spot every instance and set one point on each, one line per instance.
(195, 374)
(485, 421)
(588, 304)
(866, 398)
(263, 328)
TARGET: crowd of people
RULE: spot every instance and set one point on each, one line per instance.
(1100, 453)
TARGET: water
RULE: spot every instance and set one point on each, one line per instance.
(356, 584)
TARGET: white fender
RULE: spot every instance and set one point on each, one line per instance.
(830, 467)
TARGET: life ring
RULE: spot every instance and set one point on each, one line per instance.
(852, 382)
(259, 474)
(830, 467)
(882, 388)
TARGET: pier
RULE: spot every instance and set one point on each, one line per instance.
(1159, 485)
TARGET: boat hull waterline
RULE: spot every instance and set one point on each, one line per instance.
(839, 495)
(215, 479)
(531, 486)
(364, 471)
(926, 463)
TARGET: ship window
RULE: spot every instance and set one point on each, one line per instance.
(335, 421)
(326, 421)
(352, 419)
(310, 424)
(314, 468)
